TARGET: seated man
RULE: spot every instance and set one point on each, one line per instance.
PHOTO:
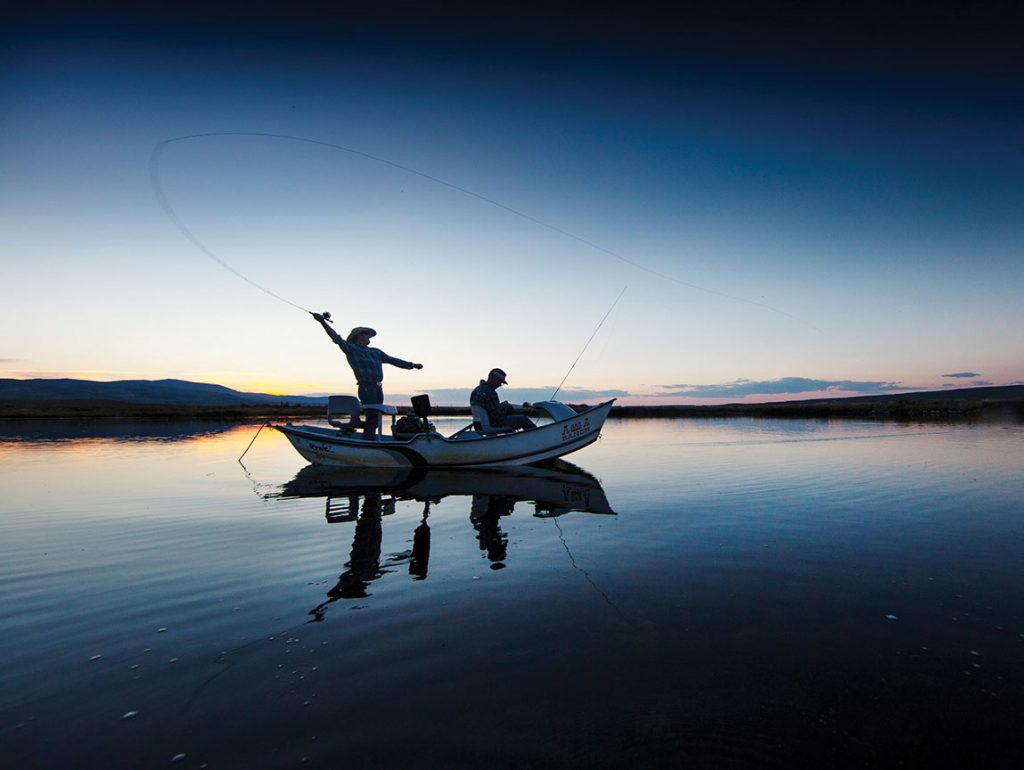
(500, 414)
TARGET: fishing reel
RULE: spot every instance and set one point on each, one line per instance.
(327, 317)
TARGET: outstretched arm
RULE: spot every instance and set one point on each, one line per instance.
(385, 358)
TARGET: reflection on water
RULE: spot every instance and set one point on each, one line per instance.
(48, 431)
(364, 564)
(787, 593)
(556, 488)
(366, 495)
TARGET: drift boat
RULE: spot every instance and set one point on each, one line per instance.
(476, 445)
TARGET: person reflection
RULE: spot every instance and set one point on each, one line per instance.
(485, 514)
(419, 560)
(363, 566)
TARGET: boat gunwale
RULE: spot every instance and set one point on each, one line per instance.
(332, 436)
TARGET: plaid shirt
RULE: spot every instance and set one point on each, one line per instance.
(366, 362)
(487, 397)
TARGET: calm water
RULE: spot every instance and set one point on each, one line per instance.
(730, 593)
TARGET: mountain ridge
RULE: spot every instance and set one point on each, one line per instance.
(139, 392)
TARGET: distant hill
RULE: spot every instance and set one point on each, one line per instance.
(995, 393)
(953, 404)
(155, 392)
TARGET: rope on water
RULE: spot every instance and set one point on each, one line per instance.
(264, 425)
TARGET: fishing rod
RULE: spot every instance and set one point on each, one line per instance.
(616, 302)
(154, 167)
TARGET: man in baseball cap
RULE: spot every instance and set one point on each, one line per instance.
(485, 395)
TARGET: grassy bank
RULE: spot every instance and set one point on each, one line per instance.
(880, 409)
(894, 409)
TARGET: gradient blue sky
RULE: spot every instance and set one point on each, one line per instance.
(799, 202)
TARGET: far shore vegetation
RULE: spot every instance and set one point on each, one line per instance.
(879, 408)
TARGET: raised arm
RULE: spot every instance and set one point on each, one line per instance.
(335, 337)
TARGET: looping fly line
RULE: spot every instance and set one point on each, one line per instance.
(154, 172)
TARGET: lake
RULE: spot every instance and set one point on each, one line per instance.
(690, 593)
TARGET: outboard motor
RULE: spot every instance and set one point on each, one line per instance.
(421, 405)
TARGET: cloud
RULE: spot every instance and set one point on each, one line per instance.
(962, 375)
(981, 383)
(783, 385)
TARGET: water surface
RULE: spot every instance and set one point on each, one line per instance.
(703, 593)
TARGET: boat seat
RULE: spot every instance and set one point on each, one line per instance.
(382, 409)
(482, 422)
(343, 412)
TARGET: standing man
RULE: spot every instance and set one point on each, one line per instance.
(367, 366)
(500, 414)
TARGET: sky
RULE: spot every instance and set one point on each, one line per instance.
(799, 200)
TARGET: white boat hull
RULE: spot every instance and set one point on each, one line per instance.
(327, 446)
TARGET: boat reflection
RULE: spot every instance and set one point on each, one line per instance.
(365, 496)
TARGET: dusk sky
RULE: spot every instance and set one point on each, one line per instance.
(800, 202)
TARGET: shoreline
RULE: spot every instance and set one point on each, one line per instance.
(880, 409)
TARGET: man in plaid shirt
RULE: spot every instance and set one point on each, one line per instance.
(367, 365)
(500, 414)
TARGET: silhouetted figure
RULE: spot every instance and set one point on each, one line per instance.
(499, 413)
(420, 559)
(367, 366)
(363, 566)
(485, 514)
